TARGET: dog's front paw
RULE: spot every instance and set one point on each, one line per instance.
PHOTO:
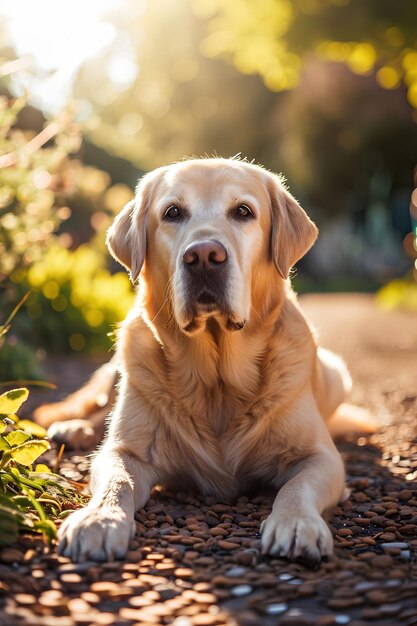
(95, 534)
(76, 434)
(295, 536)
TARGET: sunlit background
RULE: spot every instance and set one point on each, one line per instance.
(95, 93)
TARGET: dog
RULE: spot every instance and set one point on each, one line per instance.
(222, 383)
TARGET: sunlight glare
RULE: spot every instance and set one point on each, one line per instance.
(59, 36)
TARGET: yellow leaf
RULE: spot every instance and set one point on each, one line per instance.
(41, 467)
(32, 428)
(29, 451)
(11, 401)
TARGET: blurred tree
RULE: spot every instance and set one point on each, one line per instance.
(32, 184)
(273, 38)
(161, 89)
(153, 97)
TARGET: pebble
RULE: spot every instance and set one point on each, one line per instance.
(25, 598)
(217, 531)
(228, 545)
(241, 590)
(183, 620)
(236, 572)
(11, 555)
(276, 608)
(382, 561)
(190, 555)
(395, 544)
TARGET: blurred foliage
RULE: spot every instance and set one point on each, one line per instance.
(30, 498)
(18, 361)
(277, 80)
(75, 301)
(398, 294)
(271, 38)
(32, 185)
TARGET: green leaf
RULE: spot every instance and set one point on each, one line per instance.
(8, 505)
(16, 437)
(48, 528)
(23, 479)
(23, 502)
(11, 401)
(4, 444)
(29, 451)
(32, 428)
(42, 468)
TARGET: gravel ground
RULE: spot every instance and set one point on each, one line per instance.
(196, 562)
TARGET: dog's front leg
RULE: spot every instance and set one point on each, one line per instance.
(102, 530)
(295, 528)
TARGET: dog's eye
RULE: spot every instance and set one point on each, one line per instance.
(243, 212)
(172, 213)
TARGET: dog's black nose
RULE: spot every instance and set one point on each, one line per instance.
(209, 255)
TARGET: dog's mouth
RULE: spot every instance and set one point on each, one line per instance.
(207, 306)
(207, 299)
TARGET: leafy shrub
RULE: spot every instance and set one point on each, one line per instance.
(398, 294)
(32, 189)
(75, 300)
(28, 499)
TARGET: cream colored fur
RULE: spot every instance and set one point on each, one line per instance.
(218, 408)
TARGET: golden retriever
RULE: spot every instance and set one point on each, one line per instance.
(222, 383)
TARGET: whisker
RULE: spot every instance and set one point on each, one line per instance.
(162, 306)
(257, 314)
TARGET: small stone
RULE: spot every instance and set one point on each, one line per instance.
(25, 598)
(183, 572)
(344, 532)
(276, 609)
(405, 494)
(362, 521)
(228, 545)
(134, 556)
(245, 557)
(376, 596)
(71, 579)
(390, 609)
(235, 572)
(183, 620)
(382, 560)
(11, 555)
(52, 598)
(218, 532)
(241, 590)
(78, 605)
(395, 544)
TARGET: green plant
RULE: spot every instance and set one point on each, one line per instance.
(75, 301)
(400, 293)
(29, 499)
(32, 186)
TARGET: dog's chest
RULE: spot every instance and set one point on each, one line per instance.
(216, 442)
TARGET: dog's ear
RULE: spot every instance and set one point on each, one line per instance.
(126, 237)
(293, 233)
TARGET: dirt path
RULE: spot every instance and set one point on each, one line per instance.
(196, 562)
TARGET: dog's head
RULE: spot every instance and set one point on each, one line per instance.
(205, 233)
